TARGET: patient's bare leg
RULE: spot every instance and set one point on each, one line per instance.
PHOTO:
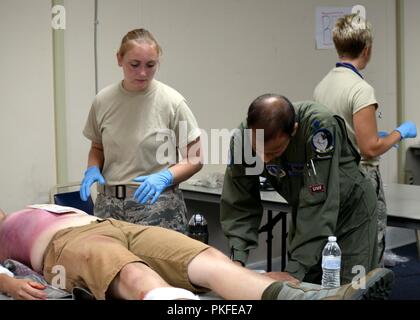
(134, 281)
(212, 269)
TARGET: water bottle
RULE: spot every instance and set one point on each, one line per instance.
(331, 264)
(197, 228)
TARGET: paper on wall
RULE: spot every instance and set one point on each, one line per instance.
(326, 18)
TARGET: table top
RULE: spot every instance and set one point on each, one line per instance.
(403, 200)
(267, 196)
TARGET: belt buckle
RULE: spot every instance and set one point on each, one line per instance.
(120, 192)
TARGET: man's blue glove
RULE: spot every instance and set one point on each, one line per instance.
(383, 134)
(407, 130)
(152, 185)
(92, 174)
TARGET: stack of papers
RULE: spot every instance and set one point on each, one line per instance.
(54, 208)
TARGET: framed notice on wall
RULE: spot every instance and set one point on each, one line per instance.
(325, 21)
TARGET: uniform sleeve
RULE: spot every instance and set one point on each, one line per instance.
(185, 125)
(318, 210)
(362, 96)
(240, 210)
(91, 130)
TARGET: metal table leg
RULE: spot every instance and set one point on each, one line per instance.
(283, 240)
(269, 239)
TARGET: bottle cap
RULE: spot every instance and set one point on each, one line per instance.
(197, 228)
(332, 238)
(197, 220)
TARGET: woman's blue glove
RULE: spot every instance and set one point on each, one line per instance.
(92, 174)
(152, 185)
(383, 134)
(407, 130)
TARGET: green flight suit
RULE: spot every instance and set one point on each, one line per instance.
(318, 175)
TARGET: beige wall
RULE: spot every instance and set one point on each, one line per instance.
(79, 80)
(27, 169)
(410, 73)
(411, 54)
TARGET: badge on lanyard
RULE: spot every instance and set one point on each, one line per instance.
(322, 142)
(275, 170)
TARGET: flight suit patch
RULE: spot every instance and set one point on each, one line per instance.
(275, 170)
(323, 142)
(317, 188)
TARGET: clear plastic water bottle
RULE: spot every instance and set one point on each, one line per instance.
(331, 264)
(197, 228)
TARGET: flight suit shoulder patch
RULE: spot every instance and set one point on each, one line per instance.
(323, 142)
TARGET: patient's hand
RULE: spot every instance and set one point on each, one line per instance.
(25, 289)
(282, 276)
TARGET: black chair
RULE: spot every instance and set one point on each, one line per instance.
(65, 195)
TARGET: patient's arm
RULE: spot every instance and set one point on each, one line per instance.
(21, 289)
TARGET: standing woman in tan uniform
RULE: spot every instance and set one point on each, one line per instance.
(344, 91)
(138, 128)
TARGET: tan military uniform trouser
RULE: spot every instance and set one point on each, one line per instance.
(93, 255)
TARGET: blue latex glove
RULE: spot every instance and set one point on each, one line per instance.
(407, 130)
(152, 185)
(383, 134)
(92, 174)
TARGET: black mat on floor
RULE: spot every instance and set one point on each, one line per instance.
(407, 274)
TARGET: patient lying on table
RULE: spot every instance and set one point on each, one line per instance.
(116, 259)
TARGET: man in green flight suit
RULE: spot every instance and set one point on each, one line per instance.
(309, 160)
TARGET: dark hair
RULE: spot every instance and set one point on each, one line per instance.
(272, 112)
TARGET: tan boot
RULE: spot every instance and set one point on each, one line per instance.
(378, 285)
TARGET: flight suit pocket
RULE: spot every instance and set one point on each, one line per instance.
(314, 189)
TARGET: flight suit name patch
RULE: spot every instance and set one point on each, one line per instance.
(317, 188)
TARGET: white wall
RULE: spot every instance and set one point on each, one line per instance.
(411, 95)
(27, 168)
(411, 74)
(79, 80)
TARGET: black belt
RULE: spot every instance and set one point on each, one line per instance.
(122, 191)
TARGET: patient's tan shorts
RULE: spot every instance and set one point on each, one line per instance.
(92, 255)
